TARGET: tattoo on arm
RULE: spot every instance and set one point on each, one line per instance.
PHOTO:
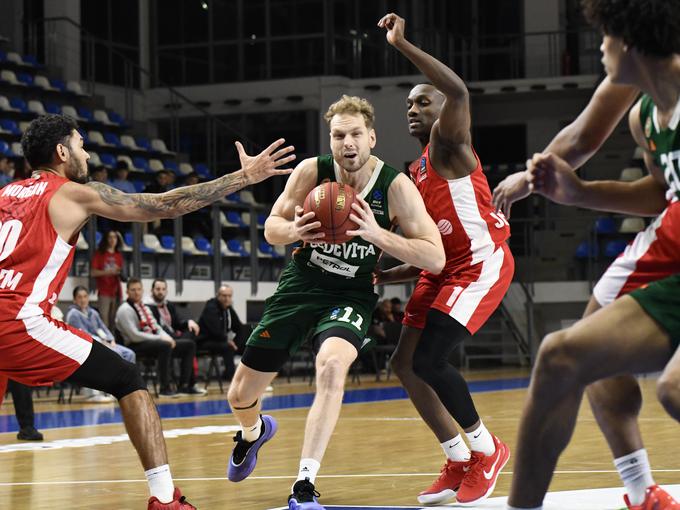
(174, 202)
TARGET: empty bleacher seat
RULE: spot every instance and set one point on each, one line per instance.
(234, 219)
(15, 58)
(185, 168)
(128, 142)
(614, 248)
(236, 248)
(143, 143)
(58, 84)
(116, 118)
(31, 60)
(75, 88)
(112, 139)
(4, 148)
(4, 104)
(248, 198)
(638, 153)
(52, 108)
(171, 165)
(188, 247)
(70, 111)
(203, 171)
(139, 185)
(203, 245)
(85, 114)
(630, 174)
(245, 217)
(152, 242)
(223, 248)
(10, 126)
(168, 242)
(234, 197)
(585, 250)
(96, 138)
(280, 250)
(82, 242)
(94, 159)
(605, 225)
(632, 225)
(36, 107)
(159, 146)
(265, 249)
(261, 218)
(9, 77)
(18, 104)
(108, 160)
(127, 237)
(17, 149)
(43, 83)
(102, 117)
(156, 165)
(141, 164)
(25, 79)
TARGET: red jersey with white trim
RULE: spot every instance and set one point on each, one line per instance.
(470, 227)
(34, 260)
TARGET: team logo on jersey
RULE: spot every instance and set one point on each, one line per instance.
(445, 227)
(377, 202)
(648, 127)
(334, 313)
(422, 174)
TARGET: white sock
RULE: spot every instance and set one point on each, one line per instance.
(636, 475)
(160, 483)
(456, 449)
(481, 440)
(508, 507)
(308, 469)
(251, 434)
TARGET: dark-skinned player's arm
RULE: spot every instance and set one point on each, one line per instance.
(554, 178)
(577, 142)
(286, 224)
(453, 127)
(74, 203)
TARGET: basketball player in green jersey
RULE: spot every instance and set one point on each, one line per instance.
(640, 45)
(326, 293)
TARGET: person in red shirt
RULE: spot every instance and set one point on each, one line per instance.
(107, 264)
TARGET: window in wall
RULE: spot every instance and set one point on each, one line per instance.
(224, 19)
(301, 17)
(226, 62)
(298, 58)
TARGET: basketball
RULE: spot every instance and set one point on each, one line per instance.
(332, 204)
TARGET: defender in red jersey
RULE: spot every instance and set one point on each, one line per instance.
(448, 308)
(40, 219)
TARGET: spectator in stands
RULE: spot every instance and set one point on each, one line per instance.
(5, 177)
(107, 268)
(384, 311)
(221, 329)
(99, 174)
(141, 332)
(22, 399)
(166, 314)
(121, 181)
(397, 311)
(162, 183)
(191, 179)
(81, 315)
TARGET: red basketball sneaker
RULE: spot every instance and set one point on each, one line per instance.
(446, 486)
(655, 499)
(480, 480)
(178, 502)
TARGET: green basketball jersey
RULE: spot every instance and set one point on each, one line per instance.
(349, 265)
(664, 144)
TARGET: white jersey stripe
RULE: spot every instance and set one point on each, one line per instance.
(468, 300)
(465, 203)
(61, 340)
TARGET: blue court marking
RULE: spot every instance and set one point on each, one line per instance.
(100, 415)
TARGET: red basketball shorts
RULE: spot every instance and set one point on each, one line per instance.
(470, 295)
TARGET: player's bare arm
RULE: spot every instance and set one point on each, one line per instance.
(74, 203)
(577, 142)
(450, 140)
(396, 274)
(421, 244)
(553, 177)
(286, 224)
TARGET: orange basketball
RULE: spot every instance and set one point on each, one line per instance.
(332, 204)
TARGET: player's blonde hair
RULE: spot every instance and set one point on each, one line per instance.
(352, 105)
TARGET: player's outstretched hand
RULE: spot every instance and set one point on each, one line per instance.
(552, 177)
(394, 26)
(368, 228)
(267, 163)
(304, 226)
(513, 188)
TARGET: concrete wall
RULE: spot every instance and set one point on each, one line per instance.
(62, 40)
(10, 24)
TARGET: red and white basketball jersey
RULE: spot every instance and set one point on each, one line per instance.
(34, 260)
(470, 227)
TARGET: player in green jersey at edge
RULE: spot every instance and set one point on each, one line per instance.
(640, 331)
(326, 294)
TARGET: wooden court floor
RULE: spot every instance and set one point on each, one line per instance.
(381, 454)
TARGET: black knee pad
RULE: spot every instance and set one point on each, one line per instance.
(442, 334)
(128, 380)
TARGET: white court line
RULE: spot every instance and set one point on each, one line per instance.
(292, 477)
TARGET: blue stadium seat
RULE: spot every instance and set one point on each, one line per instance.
(141, 164)
(171, 165)
(25, 78)
(168, 242)
(203, 244)
(235, 217)
(267, 248)
(52, 108)
(261, 218)
(11, 126)
(97, 237)
(116, 118)
(113, 139)
(85, 113)
(130, 242)
(236, 246)
(614, 248)
(586, 250)
(3, 56)
(18, 103)
(58, 84)
(108, 160)
(605, 225)
(4, 148)
(234, 197)
(203, 171)
(31, 60)
(143, 143)
(139, 186)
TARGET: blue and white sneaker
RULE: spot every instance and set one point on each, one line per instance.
(304, 496)
(244, 456)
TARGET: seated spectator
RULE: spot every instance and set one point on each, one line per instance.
(99, 174)
(384, 311)
(397, 311)
(162, 183)
(81, 315)
(166, 314)
(121, 181)
(6, 173)
(191, 179)
(221, 329)
(141, 332)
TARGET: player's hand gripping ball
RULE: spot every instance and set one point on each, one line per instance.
(332, 202)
